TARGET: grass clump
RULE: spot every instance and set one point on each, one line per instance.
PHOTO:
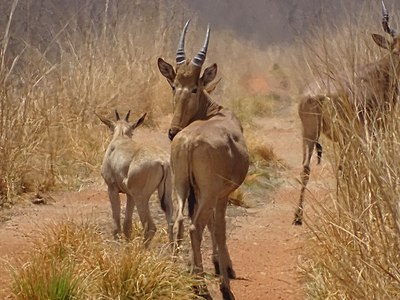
(54, 281)
(256, 106)
(73, 261)
(263, 171)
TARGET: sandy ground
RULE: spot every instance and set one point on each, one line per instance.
(264, 246)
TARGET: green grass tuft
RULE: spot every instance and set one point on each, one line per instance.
(73, 261)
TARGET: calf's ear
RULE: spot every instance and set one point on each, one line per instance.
(110, 124)
(140, 121)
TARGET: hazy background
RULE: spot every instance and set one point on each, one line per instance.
(264, 22)
(274, 21)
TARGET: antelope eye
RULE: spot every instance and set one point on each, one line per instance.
(194, 91)
(173, 88)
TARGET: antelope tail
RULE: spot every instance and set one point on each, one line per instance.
(318, 146)
(191, 201)
(192, 196)
(164, 181)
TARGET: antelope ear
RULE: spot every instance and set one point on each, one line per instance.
(209, 74)
(139, 122)
(381, 41)
(211, 86)
(166, 70)
(110, 124)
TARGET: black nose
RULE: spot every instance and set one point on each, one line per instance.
(171, 134)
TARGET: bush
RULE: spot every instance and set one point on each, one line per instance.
(72, 260)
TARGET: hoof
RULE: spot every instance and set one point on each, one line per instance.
(216, 268)
(231, 273)
(298, 217)
(297, 221)
(226, 293)
(206, 296)
(202, 292)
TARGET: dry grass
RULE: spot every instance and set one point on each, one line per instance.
(49, 134)
(71, 260)
(51, 82)
(263, 171)
(354, 252)
(49, 89)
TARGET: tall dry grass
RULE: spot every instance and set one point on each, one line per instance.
(60, 62)
(98, 58)
(354, 249)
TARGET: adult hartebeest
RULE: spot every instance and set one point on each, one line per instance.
(377, 91)
(137, 171)
(209, 157)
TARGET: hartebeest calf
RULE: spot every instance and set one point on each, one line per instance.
(377, 89)
(138, 171)
(209, 157)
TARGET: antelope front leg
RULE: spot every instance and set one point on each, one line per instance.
(308, 148)
(115, 202)
(196, 234)
(130, 206)
(165, 197)
(169, 216)
(305, 176)
(215, 255)
(142, 204)
(225, 262)
(178, 228)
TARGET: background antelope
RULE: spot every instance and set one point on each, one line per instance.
(209, 157)
(377, 93)
(137, 171)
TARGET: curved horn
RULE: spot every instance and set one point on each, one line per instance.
(127, 116)
(200, 57)
(180, 52)
(117, 115)
(385, 21)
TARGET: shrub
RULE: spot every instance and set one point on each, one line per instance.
(72, 260)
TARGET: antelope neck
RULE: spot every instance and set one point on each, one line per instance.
(208, 109)
(119, 133)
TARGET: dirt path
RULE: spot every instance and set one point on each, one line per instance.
(264, 246)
